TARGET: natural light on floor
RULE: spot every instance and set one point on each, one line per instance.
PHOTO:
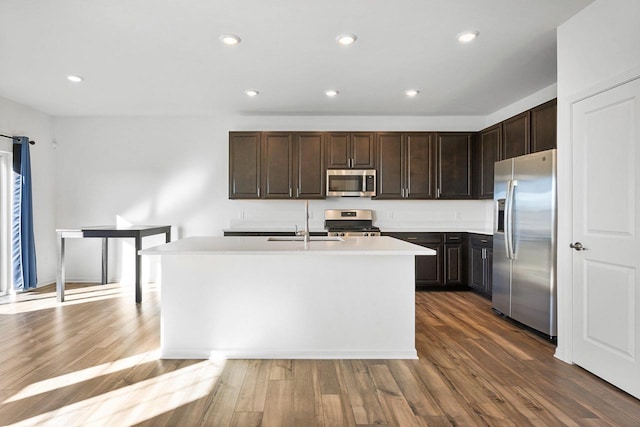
(39, 300)
(81, 375)
(127, 405)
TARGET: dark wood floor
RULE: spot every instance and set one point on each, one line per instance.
(93, 361)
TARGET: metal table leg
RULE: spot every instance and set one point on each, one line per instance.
(105, 260)
(60, 273)
(138, 268)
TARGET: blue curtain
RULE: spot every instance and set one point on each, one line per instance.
(22, 240)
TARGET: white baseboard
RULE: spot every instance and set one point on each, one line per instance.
(285, 354)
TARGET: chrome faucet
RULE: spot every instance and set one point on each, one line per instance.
(305, 233)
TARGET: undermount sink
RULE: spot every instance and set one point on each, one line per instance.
(301, 238)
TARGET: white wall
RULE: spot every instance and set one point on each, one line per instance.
(597, 48)
(17, 119)
(174, 170)
(524, 104)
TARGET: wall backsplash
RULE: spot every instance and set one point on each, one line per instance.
(410, 215)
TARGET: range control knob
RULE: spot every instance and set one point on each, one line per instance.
(342, 234)
(366, 234)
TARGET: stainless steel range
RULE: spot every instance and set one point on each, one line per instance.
(350, 222)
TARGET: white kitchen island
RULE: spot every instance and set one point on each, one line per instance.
(249, 297)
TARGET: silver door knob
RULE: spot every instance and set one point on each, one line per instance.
(577, 246)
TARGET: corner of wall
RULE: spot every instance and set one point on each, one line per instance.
(19, 119)
(524, 104)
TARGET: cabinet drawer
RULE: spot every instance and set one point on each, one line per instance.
(417, 238)
(481, 240)
(453, 237)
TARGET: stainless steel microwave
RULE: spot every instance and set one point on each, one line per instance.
(351, 182)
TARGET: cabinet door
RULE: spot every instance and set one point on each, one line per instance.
(338, 150)
(453, 265)
(244, 165)
(488, 152)
(420, 172)
(454, 166)
(477, 271)
(515, 135)
(277, 156)
(488, 285)
(429, 267)
(543, 126)
(390, 172)
(363, 150)
(309, 168)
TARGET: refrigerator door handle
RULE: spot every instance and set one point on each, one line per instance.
(507, 220)
(512, 240)
(509, 241)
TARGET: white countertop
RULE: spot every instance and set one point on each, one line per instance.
(262, 246)
(435, 230)
(384, 230)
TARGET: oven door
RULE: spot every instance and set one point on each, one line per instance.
(351, 182)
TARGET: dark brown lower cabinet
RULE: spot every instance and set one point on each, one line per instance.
(429, 268)
(481, 263)
(454, 256)
(447, 268)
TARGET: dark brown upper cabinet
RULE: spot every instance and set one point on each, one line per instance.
(244, 165)
(544, 126)
(391, 166)
(454, 158)
(487, 146)
(420, 151)
(515, 135)
(276, 165)
(309, 165)
(406, 165)
(350, 150)
(277, 158)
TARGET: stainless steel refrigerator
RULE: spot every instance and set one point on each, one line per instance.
(524, 243)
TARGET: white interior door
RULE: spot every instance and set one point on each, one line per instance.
(606, 219)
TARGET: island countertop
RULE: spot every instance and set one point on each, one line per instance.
(264, 246)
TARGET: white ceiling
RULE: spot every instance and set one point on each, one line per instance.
(163, 57)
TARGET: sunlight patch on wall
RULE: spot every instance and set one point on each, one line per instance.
(182, 191)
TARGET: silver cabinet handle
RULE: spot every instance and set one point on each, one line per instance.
(577, 246)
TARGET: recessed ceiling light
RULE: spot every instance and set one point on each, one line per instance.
(346, 39)
(467, 36)
(230, 39)
(411, 92)
(251, 92)
(331, 93)
(75, 79)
